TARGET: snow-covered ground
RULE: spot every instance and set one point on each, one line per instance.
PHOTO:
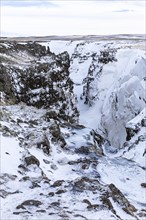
(104, 153)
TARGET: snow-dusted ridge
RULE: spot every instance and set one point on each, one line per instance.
(73, 129)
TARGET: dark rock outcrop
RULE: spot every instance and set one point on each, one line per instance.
(131, 132)
(31, 160)
(6, 88)
(90, 88)
(119, 198)
(32, 74)
(31, 202)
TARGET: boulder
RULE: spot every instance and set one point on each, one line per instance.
(31, 160)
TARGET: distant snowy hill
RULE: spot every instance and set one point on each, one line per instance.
(73, 129)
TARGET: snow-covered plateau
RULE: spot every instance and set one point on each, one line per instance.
(73, 129)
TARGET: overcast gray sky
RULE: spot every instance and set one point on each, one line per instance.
(72, 17)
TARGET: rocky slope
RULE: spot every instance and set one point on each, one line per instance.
(72, 130)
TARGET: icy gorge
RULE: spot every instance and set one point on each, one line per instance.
(73, 128)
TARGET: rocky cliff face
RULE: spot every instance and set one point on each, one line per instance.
(72, 130)
(90, 88)
(37, 77)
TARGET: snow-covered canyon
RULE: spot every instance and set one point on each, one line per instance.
(73, 129)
